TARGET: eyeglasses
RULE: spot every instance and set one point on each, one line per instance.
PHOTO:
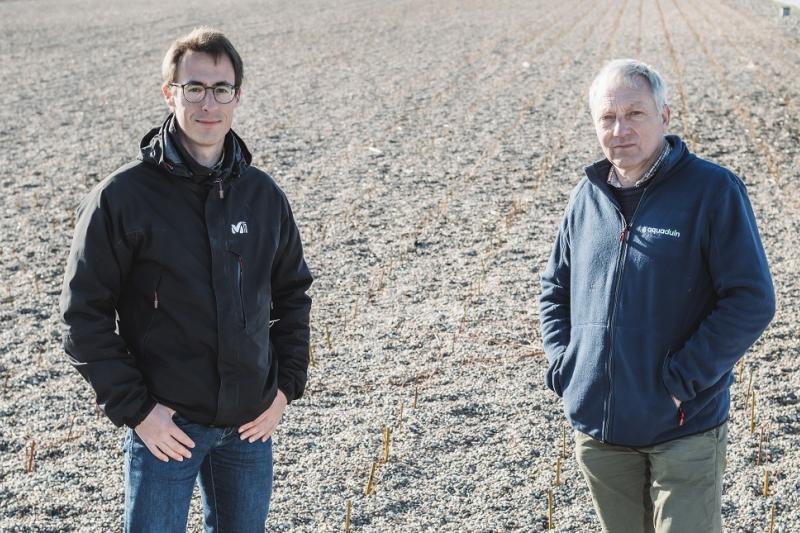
(196, 92)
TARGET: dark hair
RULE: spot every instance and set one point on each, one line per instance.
(208, 41)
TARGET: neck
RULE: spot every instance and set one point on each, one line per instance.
(628, 178)
(204, 155)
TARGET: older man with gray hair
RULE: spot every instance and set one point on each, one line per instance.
(657, 284)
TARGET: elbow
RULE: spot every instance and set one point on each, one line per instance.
(764, 309)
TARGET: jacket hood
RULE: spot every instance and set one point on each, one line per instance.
(597, 172)
(157, 148)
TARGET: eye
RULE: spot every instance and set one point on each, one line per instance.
(194, 89)
(223, 90)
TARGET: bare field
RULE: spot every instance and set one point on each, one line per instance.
(428, 150)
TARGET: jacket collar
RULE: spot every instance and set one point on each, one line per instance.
(159, 147)
(679, 155)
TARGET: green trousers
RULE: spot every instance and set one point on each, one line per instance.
(673, 487)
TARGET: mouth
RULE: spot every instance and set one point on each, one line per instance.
(207, 121)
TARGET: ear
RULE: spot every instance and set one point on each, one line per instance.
(238, 96)
(169, 96)
(665, 114)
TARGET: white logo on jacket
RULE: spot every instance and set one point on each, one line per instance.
(239, 227)
(660, 231)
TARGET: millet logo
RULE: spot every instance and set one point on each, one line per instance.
(239, 227)
(660, 231)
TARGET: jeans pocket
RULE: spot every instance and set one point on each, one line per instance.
(126, 440)
(180, 420)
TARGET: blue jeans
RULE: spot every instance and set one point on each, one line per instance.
(235, 479)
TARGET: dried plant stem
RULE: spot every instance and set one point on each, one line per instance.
(760, 442)
(772, 519)
(753, 413)
(328, 337)
(550, 524)
(69, 432)
(387, 437)
(416, 394)
(380, 282)
(30, 456)
(347, 516)
(558, 471)
(370, 488)
(765, 487)
(312, 357)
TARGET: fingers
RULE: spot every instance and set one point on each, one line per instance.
(182, 438)
(254, 423)
(174, 450)
(176, 441)
(261, 431)
(167, 441)
(157, 453)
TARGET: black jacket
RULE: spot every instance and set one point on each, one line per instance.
(187, 290)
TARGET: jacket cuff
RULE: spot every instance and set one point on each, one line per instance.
(550, 375)
(287, 387)
(673, 381)
(140, 414)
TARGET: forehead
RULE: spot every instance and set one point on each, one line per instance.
(205, 68)
(618, 94)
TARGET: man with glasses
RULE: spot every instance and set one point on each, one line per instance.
(185, 305)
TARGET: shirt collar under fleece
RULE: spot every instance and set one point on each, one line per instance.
(613, 180)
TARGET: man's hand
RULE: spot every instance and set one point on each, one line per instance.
(677, 402)
(162, 437)
(263, 426)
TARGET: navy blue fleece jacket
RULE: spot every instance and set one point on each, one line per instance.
(632, 315)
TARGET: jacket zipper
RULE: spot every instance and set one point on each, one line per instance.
(155, 309)
(221, 192)
(240, 283)
(623, 253)
(155, 292)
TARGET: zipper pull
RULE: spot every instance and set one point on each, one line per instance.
(221, 192)
(623, 233)
(155, 299)
(681, 416)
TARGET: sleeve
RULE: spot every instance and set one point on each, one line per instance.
(99, 261)
(292, 307)
(745, 299)
(554, 307)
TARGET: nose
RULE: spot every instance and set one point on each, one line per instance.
(208, 99)
(620, 126)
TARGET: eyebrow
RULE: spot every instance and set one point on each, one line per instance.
(217, 84)
(635, 104)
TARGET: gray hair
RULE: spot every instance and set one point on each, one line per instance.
(631, 73)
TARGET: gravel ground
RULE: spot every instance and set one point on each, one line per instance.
(428, 149)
